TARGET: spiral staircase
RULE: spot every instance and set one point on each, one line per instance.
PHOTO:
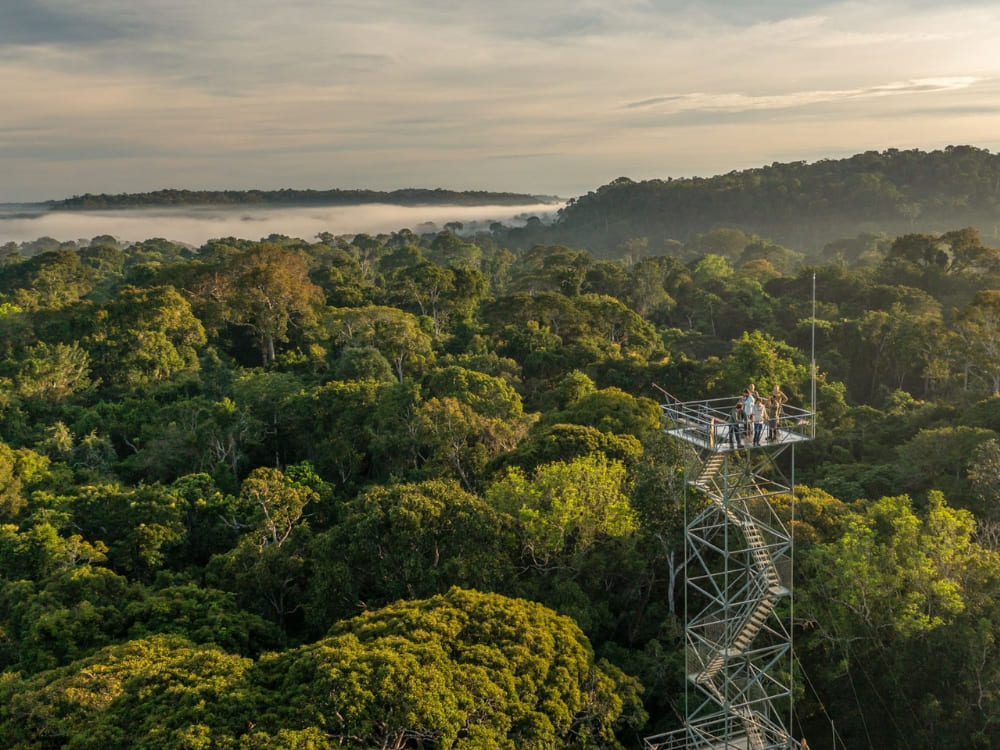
(738, 581)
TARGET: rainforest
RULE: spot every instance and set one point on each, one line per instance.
(411, 489)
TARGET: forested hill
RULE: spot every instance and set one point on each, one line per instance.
(799, 205)
(288, 197)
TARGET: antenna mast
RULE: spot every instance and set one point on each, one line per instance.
(812, 400)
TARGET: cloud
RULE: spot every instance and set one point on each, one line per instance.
(739, 102)
(376, 93)
(32, 22)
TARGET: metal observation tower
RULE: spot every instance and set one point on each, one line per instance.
(737, 599)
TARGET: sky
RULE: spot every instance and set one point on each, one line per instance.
(548, 97)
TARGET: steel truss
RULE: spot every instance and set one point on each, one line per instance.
(738, 581)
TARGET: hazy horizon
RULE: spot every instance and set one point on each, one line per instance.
(196, 225)
(555, 98)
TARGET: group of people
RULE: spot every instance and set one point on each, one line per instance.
(751, 412)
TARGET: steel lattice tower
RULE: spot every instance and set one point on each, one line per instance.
(738, 581)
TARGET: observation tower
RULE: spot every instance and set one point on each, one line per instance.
(737, 597)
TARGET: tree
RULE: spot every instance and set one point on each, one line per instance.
(761, 359)
(647, 286)
(145, 336)
(141, 525)
(265, 288)
(565, 507)
(406, 541)
(453, 434)
(51, 279)
(267, 397)
(201, 615)
(67, 615)
(459, 669)
(979, 326)
(157, 692)
(565, 442)
(362, 363)
(984, 476)
(449, 250)
(712, 268)
(611, 410)
(396, 334)
(274, 505)
(11, 499)
(880, 599)
(939, 457)
(268, 568)
(51, 373)
(424, 284)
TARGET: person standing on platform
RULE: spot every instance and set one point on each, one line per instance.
(759, 417)
(749, 397)
(737, 422)
(772, 407)
(779, 398)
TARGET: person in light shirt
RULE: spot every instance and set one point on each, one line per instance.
(749, 398)
(759, 417)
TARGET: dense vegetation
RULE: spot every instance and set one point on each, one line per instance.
(289, 197)
(410, 491)
(800, 205)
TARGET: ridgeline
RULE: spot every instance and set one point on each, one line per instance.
(287, 197)
(798, 205)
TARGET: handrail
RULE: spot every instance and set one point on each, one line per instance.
(706, 422)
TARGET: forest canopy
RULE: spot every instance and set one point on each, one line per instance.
(412, 490)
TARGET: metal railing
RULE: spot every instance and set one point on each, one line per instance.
(707, 423)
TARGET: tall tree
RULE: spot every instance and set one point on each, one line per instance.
(265, 288)
(396, 334)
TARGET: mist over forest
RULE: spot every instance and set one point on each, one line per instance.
(194, 225)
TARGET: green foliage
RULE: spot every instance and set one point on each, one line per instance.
(760, 359)
(145, 336)
(264, 288)
(209, 454)
(890, 590)
(201, 615)
(565, 507)
(406, 541)
(362, 363)
(50, 373)
(140, 526)
(939, 457)
(159, 692)
(907, 572)
(395, 334)
(462, 669)
(564, 442)
(611, 410)
(268, 567)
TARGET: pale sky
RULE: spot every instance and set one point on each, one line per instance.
(540, 96)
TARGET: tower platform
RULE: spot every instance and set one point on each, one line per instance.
(706, 424)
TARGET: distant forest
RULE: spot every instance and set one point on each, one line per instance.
(798, 205)
(412, 491)
(288, 197)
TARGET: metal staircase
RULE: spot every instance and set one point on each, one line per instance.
(738, 634)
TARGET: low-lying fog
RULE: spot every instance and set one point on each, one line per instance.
(194, 226)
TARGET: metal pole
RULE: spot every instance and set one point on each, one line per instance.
(812, 433)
